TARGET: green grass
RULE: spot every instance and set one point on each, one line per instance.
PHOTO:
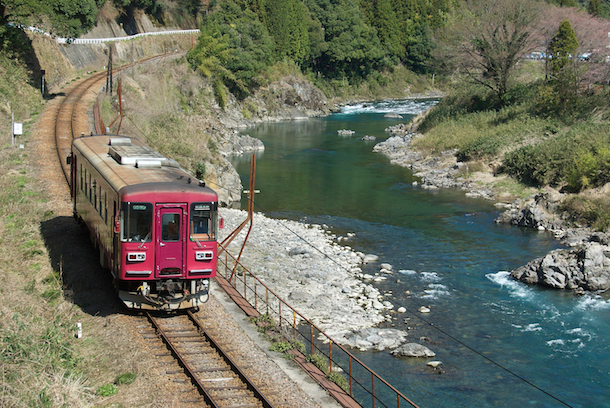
(321, 362)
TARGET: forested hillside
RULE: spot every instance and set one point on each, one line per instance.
(527, 81)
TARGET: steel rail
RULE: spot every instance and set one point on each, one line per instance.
(234, 367)
(183, 363)
(190, 372)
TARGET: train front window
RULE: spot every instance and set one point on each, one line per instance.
(204, 222)
(137, 222)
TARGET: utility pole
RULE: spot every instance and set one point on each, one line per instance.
(42, 72)
(109, 71)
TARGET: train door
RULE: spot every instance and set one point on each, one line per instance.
(171, 240)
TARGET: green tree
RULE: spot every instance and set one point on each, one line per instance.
(69, 18)
(382, 15)
(353, 46)
(594, 8)
(566, 3)
(287, 22)
(562, 46)
(563, 69)
(150, 6)
(234, 47)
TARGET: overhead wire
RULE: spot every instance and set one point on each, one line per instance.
(430, 324)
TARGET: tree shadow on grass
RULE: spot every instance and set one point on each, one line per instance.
(85, 282)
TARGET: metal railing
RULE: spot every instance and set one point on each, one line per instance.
(361, 383)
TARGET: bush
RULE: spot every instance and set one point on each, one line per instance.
(578, 157)
(594, 212)
(125, 379)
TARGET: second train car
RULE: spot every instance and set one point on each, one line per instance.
(154, 224)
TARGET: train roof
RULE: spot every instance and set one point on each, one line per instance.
(128, 164)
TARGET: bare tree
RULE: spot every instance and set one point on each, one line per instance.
(486, 39)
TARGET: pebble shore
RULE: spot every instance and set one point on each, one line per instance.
(322, 279)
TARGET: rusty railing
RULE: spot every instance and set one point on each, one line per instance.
(361, 383)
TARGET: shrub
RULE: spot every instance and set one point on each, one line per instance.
(125, 379)
(594, 212)
(107, 390)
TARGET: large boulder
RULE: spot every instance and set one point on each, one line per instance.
(585, 268)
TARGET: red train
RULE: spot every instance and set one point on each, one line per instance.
(155, 225)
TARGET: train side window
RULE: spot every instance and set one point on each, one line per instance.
(95, 195)
(105, 208)
(90, 192)
(86, 184)
(204, 221)
(136, 221)
(81, 177)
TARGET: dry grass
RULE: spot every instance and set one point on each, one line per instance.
(50, 279)
(36, 336)
(156, 96)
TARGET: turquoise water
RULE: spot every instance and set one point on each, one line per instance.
(502, 344)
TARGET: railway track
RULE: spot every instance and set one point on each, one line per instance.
(197, 358)
(72, 117)
(203, 374)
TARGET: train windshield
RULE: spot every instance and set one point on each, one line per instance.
(204, 221)
(137, 222)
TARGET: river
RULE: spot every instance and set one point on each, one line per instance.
(501, 343)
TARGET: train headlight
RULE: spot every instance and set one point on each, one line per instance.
(204, 255)
(136, 256)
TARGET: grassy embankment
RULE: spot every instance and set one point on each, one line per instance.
(42, 363)
(39, 362)
(537, 146)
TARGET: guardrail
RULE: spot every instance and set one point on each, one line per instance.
(362, 383)
(126, 38)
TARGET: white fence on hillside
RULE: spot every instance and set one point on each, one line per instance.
(114, 39)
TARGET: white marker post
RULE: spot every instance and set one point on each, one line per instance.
(16, 129)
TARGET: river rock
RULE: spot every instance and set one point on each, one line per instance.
(371, 338)
(585, 268)
(538, 212)
(412, 350)
(392, 115)
(370, 258)
(235, 144)
(327, 288)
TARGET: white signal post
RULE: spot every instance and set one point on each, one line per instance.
(16, 128)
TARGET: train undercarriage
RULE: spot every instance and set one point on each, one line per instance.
(166, 294)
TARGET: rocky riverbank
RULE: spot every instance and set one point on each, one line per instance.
(583, 267)
(322, 279)
(436, 172)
